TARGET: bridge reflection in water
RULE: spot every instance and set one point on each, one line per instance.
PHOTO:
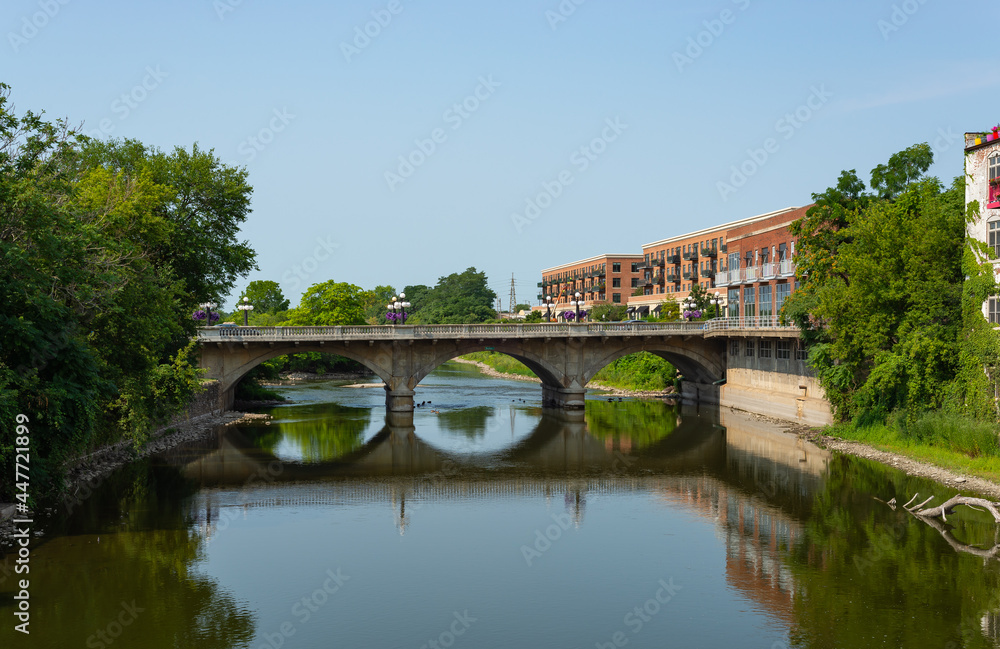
(755, 485)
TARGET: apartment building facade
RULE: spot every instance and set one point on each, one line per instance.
(598, 280)
(758, 270)
(671, 267)
(982, 171)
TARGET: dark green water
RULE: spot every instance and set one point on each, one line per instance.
(483, 521)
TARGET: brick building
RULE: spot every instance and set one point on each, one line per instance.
(982, 170)
(758, 270)
(601, 279)
(670, 267)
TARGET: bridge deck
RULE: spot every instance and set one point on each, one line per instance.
(709, 328)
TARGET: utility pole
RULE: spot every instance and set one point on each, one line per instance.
(513, 299)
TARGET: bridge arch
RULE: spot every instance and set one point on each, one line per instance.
(700, 363)
(230, 368)
(545, 371)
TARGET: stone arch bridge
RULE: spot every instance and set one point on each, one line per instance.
(564, 356)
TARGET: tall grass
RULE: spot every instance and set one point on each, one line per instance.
(500, 362)
(942, 438)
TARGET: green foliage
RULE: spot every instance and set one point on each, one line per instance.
(98, 280)
(643, 423)
(534, 316)
(670, 311)
(501, 363)
(640, 371)
(330, 303)
(265, 296)
(607, 313)
(459, 298)
(894, 328)
(375, 302)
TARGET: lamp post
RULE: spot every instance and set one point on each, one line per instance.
(719, 302)
(688, 305)
(576, 304)
(399, 306)
(548, 307)
(246, 308)
(207, 308)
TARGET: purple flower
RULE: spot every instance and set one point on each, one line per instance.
(198, 315)
(213, 316)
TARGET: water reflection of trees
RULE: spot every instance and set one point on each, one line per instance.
(131, 541)
(870, 575)
(470, 422)
(642, 422)
(321, 433)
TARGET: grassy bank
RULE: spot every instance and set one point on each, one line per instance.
(949, 441)
(641, 372)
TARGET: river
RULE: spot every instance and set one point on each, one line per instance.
(484, 521)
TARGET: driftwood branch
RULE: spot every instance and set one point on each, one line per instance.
(931, 515)
(949, 506)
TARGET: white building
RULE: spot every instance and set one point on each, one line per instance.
(982, 184)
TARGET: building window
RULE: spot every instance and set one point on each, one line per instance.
(994, 166)
(765, 349)
(995, 238)
(784, 350)
(616, 298)
(733, 303)
(635, 267)
(781, 292)
(748, 347)
(748, 302)
(994, 310)
(764, 301)
(616, 268)
(616, 282)
(801, 353)
(734, 347)
(635, 282)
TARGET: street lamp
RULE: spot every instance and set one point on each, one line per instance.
(577, 303)
(399, 305)
(246, 308)
(719, 301)
(207, 308)
(548, 306)
(688, 305)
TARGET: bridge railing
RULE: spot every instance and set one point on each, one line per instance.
(411, 332)
(748, 322)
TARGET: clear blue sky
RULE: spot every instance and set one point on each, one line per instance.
(866, 79)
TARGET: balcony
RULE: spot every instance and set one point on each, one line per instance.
(750, 274)
(689, 275)
(673, 259)
(541, 284)
(690, 256)
(723, 248)
(768, 270)
(708, 272)
(786, 268)
(673, 276)
(709, 251)
(722, 278)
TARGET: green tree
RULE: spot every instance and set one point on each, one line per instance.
(330, 303)
(204, 205)
(375, 302)
(607, 313)
(881, 306)
(265, 296)
(459, 298)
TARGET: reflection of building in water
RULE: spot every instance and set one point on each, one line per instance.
(755, 534)
(576, 503)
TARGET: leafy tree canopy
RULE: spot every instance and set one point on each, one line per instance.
(330, 303)
(459, 298)
(265, 296)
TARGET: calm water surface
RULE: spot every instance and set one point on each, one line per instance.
(484, 521)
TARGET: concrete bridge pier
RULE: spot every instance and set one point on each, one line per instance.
(398, 400)
(567, 398)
